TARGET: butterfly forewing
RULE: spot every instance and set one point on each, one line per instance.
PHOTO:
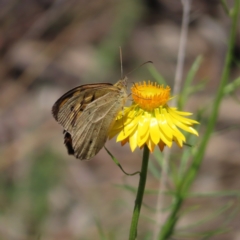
(72, 104)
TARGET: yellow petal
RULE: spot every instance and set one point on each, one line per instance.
(180, 112)
(186, 127)
(154, 130)
(174, 128)
(128, 129)
(164, 130)
(150, 144)
(133, 140)
(143, 128)
(180, 118)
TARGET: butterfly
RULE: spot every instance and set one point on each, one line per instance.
(87, 113)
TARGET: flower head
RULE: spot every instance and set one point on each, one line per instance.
(149, 120)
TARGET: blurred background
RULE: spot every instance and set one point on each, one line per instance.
(48, 47)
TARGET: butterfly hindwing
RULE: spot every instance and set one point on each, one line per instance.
(99, 115)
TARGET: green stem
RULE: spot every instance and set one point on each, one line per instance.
(186, 182)
(219, 96)
(140, 193)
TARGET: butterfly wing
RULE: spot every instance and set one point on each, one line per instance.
(87, 113)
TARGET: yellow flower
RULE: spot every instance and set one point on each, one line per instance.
(149, 120)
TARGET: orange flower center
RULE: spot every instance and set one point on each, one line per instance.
(150, 95)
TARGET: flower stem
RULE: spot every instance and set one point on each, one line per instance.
(140, 193)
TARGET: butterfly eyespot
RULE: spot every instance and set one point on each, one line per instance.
(90, 142)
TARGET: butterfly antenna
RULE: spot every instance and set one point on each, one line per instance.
(120, 51)
(139, 67)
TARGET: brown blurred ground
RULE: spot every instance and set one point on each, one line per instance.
(46, 48)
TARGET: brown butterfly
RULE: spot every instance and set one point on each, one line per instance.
(87, 113)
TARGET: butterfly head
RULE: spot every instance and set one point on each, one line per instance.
(122, 83)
